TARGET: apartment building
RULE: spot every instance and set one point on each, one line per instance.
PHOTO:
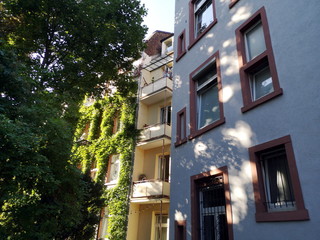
(150, 194)
(245, 130)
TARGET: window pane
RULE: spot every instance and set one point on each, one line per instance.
(165, 115)
(206, 75)
(203, 15)
(208, 105)
(279, 193)
(255, 41)
(213, 221)
(104, 225)
(164, 162)
(114, 168)
(261, 84)
(161, 227)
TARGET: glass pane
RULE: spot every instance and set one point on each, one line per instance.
(213, 221)
(207, 74)
(279, 193)
(161, 227)
(114, 168)
(203, 17)
(279, 182)
(104, 226)
(208, 228)
(164, 167)
(198, 4)
(261, 84)
(208, 106)
(163, 235)
(255, 41)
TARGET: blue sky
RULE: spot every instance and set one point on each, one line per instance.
(160, 15)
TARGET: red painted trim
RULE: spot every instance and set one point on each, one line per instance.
(194, 131)
(180, 140)
(182, 49)
(247, 67)
(232, 3)
(195, 215)
(192, 39)
(262, 214)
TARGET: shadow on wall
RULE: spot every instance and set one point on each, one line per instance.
(231, 152)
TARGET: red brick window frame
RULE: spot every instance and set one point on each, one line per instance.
(199, 181)
(180, 230)
(181, 132)
(263, 63)
(181, 48)
(260, 187)
(212, 62)
(232, 3)
(193, 37)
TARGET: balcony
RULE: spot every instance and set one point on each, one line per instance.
(150, 189)
(156, 91)
(155, 136)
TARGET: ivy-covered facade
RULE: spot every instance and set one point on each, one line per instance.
(104, 142)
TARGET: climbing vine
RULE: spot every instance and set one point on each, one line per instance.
(96, 140)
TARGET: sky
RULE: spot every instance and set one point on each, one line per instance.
(160, 15)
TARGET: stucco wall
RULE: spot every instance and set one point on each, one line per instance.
(295, 32)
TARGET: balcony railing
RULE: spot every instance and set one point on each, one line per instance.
(150, 188)
(155, 131)
(157, 90)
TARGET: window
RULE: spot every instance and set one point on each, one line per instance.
(114, 169)
(181, 45)
(161, 227)
(164, 168)
(181, 136)
(180, 230)
(203, 14)
(103, 226)
(206, 109)
(276, 183)
(211, 210)
(116, 125)
(165, 115)
(258, 74)
(201, 18)
(93, 170)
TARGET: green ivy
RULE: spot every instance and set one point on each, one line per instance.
(100, 144)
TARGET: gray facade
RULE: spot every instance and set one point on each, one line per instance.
(294, 28)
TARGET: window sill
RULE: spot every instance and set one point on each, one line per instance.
(195, 40)
(262, 100)
(181, 55)
(201, 131)
(180, 142)
(298, 215)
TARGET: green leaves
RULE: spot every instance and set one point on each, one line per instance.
(52, 54)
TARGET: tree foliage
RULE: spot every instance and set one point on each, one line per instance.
(52, 53)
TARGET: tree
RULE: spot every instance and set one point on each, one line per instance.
(52, 53)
